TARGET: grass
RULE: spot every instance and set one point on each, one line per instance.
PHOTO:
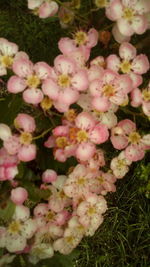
(123, 239)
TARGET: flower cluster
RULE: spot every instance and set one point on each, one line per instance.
(87, 95)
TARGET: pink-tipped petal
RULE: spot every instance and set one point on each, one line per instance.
(140, 64)
(50, 88)
(33, 96)
(16, 84)
(23, 67)
(64, 65)
(27, 153)
(113, 62)
(127, 51)
(80, 80)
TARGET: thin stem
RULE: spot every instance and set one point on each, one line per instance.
(42, 134)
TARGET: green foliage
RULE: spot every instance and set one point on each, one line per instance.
(7, 211)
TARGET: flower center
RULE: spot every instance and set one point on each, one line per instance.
(82, 136)
(125, 66)
(46, 238)
(49, 216)
(101, 3)
(134, 138)
(33, 81)
(69, 239)
(81, 181)
(100, 179)
(14, 227)
(46, 103)
(70, 115)
(64, 80)
(128, 14)
(146, 95)
(91, 211)
(80, 38)
(61, 142)
(73, 133)
(6, 61)
(25, 138)
(121, 163)
(108, 90)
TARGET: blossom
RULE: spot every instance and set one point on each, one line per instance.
(110, 88)
(21, 228)
(129, 15)
(125, 136)
(43, 8)
(72, 236)
(28, 79)
(120, 165)
(129, 63)
(90, 213)
(19, 144)
(19, 195)
(65, 83)
(8, 50)
(8, 165)
(139, 97)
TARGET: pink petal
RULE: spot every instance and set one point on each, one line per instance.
(42, 70)
(16, 84)
(127, 126)
(3, 70)
(127, 51)
(124, 83)
(27, 153)
(66, 45)
(136, 97)
(92, 38)
(85, 151)
(25, 122)
(22, 67)
(140, 64)
(113, 62)
(109, 76)
(124, 27)
(64, 65)
(33, 96)
(80, 80)
(96, 87)
(136, 79)
(85, 121)
(134, 153)
(48, 9)
(119, 142)
(99, 134)
(50, 88)
(68, 96)
(101, 104)
(118, 36)
(139, 24)
(114, 10)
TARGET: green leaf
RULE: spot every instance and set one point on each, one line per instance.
(7, 213)
(9, 108)
(59, 260)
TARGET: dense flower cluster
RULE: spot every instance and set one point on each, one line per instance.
(98, 88)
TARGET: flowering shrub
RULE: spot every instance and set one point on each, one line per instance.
(71, 110)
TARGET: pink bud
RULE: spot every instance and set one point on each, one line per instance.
(49, 176)
(19, 195)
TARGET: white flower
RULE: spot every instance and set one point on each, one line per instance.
(21, 228)
(120, 165)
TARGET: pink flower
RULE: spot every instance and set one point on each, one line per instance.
(110, 88)
(125, 136)
(19, 195)
(129, 16)
(90, 212)
(43, 8)
(120, 165)
(129, 63)
(28, 79)
(49, 176)
(139, 97)
(20, 145)
(65, 83)
(8, 165)
(8, 51)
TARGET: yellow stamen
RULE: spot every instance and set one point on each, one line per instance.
(46, 103)
(125, 66)
(108, 90)
(14, 227)
(146, 95)
(91, 211)
(33, 81)
(25, 138)
(134, 138)
(64, 80)
(128, 14)
(80, 38)
(81, 181)
(6, 61)
(61, 142)
(82, 136)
